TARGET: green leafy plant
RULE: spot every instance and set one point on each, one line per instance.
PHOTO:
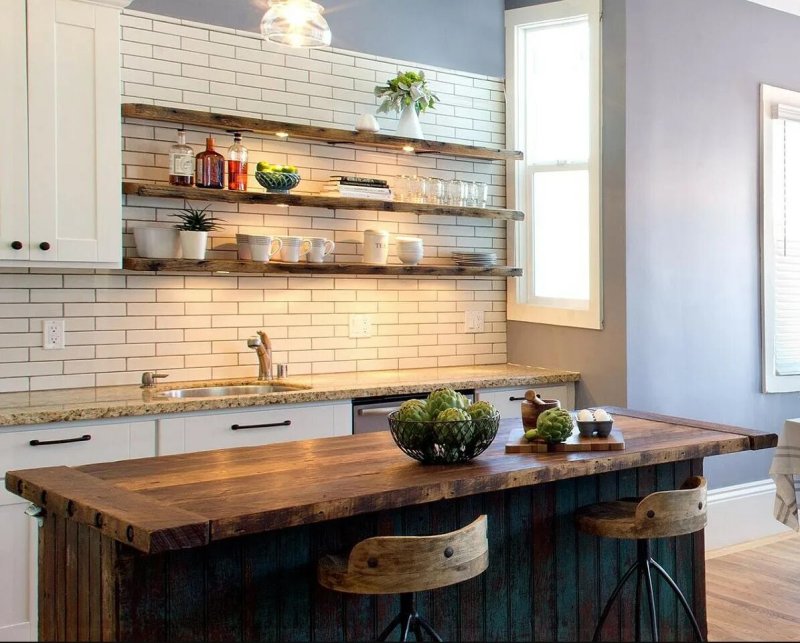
(408, 88)
(195, 220)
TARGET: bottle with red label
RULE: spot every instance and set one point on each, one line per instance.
(237, 164)
(210, 167)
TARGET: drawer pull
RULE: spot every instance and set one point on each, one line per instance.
(380, 411)
(516, 399)
(44, 443)
(239, 427)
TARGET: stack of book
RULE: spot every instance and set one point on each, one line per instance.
(358, 187)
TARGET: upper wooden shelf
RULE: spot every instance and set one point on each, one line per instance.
(314, 201)
(326, 134)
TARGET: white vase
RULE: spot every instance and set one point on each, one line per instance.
(193, 243)
(409, 126)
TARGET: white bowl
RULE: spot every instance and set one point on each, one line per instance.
(154, 242)
(410, 257)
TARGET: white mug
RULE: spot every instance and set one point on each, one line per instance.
(376, 247)
(263, 248)
(320, 248)
(243, 246)
(294, 248)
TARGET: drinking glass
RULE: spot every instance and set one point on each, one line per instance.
(482, 197)
(438, 191)
(455, 192)
(403, 189)
(415, 192)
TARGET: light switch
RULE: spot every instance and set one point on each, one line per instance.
(473, 321)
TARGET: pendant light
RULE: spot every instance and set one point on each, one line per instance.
(297, 23)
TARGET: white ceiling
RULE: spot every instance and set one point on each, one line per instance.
(789, 6)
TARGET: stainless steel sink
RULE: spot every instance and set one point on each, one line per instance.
(222, 391)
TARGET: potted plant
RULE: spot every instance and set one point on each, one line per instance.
(409, 95)
(194, 228)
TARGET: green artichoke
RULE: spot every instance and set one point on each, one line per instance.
(445, 398)
(413, 414)
(453, 428)
(453, 415)
(554, 425)
(481, 410)
(413, 411)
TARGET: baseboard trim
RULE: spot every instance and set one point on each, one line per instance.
(741, 513)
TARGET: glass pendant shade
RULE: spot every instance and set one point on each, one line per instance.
(297, 23)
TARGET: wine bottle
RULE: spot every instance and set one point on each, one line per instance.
(237, 164)
(210, 167)
(181, 162)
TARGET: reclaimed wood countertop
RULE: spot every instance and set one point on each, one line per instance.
(183, 501)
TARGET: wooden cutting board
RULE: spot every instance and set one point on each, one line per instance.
(518, 444)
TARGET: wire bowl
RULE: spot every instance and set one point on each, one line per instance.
(280, 182)
(444, 442)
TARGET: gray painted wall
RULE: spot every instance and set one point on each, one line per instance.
(456, 34)
(600, 356)
(694, 70)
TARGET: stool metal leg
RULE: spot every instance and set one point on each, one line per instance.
(389, 628)
(610, 603)
(651, 600)
(681, 597)
(637, 605)
(409, 622)
(427, 627)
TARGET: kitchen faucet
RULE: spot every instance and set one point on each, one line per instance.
(263, 347)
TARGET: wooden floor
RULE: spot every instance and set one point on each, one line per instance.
(754, 592)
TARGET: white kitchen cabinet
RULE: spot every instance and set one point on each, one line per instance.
(265, 425)
(64, 156)
(507, 400)
(57, 445)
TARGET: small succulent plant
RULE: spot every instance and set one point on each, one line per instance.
(196, 220)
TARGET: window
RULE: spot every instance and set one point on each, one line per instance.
(553, 77)
(780, 180)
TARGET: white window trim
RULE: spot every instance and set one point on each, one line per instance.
(773, 100)
(519, 308)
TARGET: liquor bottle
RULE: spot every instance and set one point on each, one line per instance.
(210, 167)
(237, 164)
(181, 162)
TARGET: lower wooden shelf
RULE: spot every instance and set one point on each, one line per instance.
(273, 267)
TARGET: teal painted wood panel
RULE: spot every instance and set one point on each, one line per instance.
(545, 581)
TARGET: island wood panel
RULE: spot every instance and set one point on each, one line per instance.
(313, 132)
(545, 580)
(315, 201)
(326, 268)
(253, 489)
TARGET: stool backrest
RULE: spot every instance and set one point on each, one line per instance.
(673, 513)
(401, 564)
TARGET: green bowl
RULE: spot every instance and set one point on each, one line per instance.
(280, 182)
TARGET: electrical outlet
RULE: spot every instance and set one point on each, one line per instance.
(53, 333)
(473, 321)
(360, 326)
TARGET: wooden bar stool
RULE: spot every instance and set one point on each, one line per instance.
(405, 565)
(663, 514)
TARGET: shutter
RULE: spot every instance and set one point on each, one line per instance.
(786, 219)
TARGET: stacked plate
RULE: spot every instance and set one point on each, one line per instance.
(475, 259)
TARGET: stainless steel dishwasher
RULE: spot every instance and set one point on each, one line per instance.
(370, 413)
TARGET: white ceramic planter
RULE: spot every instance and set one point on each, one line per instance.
(154, 242)
(193, 243)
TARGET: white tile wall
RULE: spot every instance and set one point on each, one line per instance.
(195, 326)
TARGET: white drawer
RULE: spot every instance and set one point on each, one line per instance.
(106, 443)
(267, 425)
(508, 400)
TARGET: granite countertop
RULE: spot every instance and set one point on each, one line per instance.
(70, 405)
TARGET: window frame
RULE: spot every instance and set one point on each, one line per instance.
(521, 306)
(771, 97)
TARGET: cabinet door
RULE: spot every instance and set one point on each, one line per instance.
(75, 132)
(18, 559)
(13, 131)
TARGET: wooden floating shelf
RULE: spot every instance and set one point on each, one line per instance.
(224, 265)
(314, 201)
(329, 135)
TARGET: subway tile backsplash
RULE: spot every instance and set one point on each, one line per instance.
(194, 326)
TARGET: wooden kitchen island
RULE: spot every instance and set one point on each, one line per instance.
(223, 545)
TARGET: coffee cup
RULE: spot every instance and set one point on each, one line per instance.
(263, 248)
(243, 247)
(320, 248)
(294, 248)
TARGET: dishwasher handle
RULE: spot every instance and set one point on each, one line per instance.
(383, 410)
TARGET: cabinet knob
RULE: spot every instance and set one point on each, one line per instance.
(17, 245)
(44, 245)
